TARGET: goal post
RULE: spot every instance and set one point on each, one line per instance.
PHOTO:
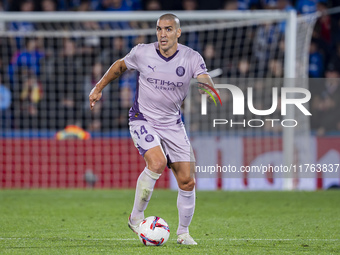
(72, 49)
(289, 74)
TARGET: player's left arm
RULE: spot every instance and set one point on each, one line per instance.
(206, 79)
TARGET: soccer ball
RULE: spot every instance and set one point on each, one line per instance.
(153, 231)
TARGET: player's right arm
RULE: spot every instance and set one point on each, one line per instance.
(116, 70)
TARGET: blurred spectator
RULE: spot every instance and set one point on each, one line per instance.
(190, 39)
(265, 38)
(323, 47)
(23, 26)
(31, 94)
(190, 5)
(136, 5)
(306, 6)
(336, 57)
(20, 5)
(231, 5)
(170, 5)
(243, 68)
(2, 24)
(89, 49)
(26, 110)
(127, 87)
(62, 5)
(87, 5)
(333, 70)
(5, 106)
(275, 68)
(210, 5)
(326, 103)
(48, 6)
(103, 5)
(282, 45)
(239, 68)
(324, 22)
(4, 5)
(153, 5)
(68, 90)
(73, 5)
(336, 30)
(3, 71)
(316, 65)
(283, 5)
(29, 59)
(90, 43)
(209, 56)
(114, 5)
(269, 4)
(139, 39)
(25, 6)
(115, 48)
(325, 33)
(243, 5)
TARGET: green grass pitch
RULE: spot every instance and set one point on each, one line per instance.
(95, 222)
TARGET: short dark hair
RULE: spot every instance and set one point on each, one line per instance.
(170, 16)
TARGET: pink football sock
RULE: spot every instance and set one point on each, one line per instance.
(145, 184)
(186, 208)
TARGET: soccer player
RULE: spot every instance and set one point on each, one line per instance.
(165, 70)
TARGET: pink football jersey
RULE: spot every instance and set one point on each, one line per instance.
(163, 83)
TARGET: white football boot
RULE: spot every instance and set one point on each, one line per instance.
(185, 239)
(134, 228)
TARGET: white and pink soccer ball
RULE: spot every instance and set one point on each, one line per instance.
(153, 231)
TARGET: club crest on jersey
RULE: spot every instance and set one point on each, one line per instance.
(180, 71)
(149, 138)
(203, 66)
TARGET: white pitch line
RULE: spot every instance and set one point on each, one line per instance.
(67, 239)
(272, 239)
(135, 239)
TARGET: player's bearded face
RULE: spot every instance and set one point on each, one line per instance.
(167, 35)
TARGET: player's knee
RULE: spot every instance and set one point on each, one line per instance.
(187, 184)
(157, 165)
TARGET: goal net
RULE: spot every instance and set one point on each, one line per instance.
(50, 62)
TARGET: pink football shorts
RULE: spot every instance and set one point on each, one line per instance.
(172, 139)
